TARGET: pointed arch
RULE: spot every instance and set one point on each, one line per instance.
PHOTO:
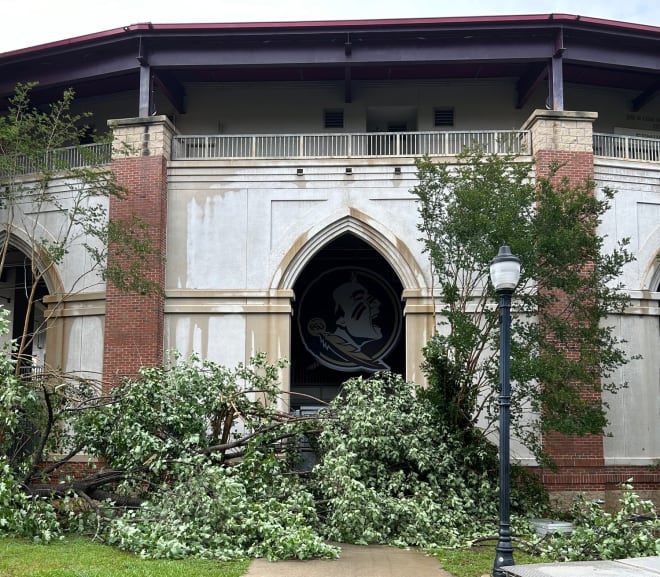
(648, 256)
(654, 283)
(355, 222)
(20, 241)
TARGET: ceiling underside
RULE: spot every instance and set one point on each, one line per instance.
(589, 56)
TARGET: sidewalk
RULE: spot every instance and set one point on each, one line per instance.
(355, 561)
(381, 561)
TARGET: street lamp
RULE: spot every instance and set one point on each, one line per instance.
(504, 274)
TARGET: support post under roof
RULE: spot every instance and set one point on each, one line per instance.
(145, 108)
(556, 74)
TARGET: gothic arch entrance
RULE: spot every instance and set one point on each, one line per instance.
(347, 321)
(26, 310)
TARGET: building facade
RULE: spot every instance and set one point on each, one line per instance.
(273, 164)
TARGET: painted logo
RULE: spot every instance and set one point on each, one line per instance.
(349, 319)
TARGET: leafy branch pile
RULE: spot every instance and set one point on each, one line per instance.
(633, 530)
(209, 455)
(198, 460)
(22, 514)
(392, 473)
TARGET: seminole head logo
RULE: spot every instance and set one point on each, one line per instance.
(350, 319)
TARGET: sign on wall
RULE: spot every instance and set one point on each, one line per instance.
(350, 319)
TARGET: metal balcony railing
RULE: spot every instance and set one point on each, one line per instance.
(31, 372)
(345, 145)
(627, 147)
(335, 145)
(59, 159)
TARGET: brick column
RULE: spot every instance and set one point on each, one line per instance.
(566, 138)
(134, 323)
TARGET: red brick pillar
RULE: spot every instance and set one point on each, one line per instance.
(566, 138)
(133, 334)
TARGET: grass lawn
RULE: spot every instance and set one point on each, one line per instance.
(79, 557)
(478, 560)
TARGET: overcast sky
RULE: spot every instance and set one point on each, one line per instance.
(26, 23)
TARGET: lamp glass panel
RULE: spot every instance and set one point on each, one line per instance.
(505, 273)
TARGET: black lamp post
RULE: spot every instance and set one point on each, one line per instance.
(504, 274)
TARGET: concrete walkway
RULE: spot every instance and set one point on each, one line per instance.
(355, 561)
(381, 561)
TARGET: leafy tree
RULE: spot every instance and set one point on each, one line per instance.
(567, 289)
(54, 193)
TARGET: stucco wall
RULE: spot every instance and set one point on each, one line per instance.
(635, 214)
(74, 306)
(257, 213)
(239, 235)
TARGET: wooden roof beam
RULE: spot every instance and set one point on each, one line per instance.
(171, 89)
(529, 81)
(645, 97)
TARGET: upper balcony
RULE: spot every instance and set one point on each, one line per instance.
(347, 145)
(59, 160)
(390, 144)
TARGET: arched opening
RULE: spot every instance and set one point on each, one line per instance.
(655, 283)
(22, 296)
(347, 321)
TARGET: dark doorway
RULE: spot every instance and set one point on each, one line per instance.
(347, 321)
(16, 286)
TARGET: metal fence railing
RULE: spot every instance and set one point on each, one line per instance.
(347, 145)
(335, 145)
(627, 147)
(58, 159)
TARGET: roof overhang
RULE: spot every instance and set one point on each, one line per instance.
(592, 51)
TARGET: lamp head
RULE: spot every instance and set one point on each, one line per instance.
(505, 270)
